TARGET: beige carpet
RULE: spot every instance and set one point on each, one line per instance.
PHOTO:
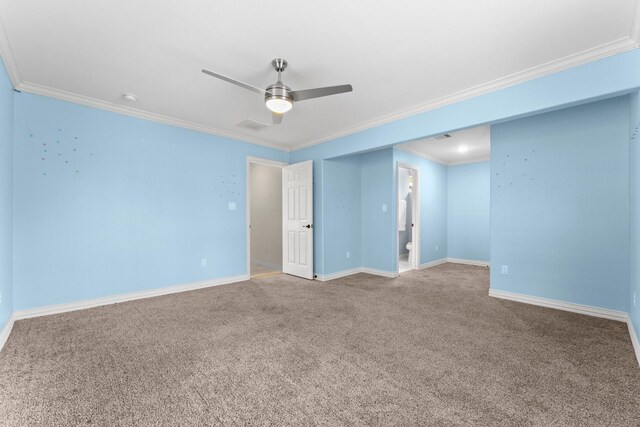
(427, 348)
(258, 270)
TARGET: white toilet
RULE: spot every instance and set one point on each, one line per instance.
(410, 248)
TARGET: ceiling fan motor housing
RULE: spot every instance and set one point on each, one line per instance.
(278, 91)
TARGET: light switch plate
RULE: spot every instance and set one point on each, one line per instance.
(232, 206)
(384, 208)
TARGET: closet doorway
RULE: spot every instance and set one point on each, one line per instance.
(408, 227)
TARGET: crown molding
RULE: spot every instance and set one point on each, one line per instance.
(140, 114)
(608, 49)
(8, 57)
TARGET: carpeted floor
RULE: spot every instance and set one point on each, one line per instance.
(427, 348)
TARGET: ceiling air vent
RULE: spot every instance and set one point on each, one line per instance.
(443, 136)
(252, 125)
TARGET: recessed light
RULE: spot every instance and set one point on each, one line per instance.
(462, 149)
(129, 97)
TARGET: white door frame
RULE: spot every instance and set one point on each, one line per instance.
(259, 161)
(415, 213)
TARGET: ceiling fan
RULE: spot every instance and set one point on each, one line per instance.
(279, 97)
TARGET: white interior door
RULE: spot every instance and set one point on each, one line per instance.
(297, 219)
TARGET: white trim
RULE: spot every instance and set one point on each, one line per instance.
(432, 263)
(338, 274)
(593, 54)
(260, 161)
(114, 299)
(140, 114)
(266, 162)
(605, 313)
(376, 272)
(469, 262)
(356, 270)
(6, 331)
(608, 49)
(634, 340)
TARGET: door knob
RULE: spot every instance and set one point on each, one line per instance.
(308, 226)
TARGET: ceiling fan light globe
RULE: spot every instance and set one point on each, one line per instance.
(278, 105)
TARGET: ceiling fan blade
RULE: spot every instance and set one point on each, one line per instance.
(277, 118)
(235, 82)
(301, 95)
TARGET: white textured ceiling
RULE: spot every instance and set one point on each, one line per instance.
(401, 57)
(477, 141)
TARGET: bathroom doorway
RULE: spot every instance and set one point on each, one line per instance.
(408, 215)
(264, 217)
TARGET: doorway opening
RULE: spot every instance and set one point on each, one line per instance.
(264, 217)
(408, 218)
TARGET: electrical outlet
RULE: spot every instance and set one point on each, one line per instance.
(203, 262)
(505, 269)
(348, 254)
(1, 298)
(436, 248)
(634, 299)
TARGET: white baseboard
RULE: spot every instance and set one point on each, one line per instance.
(634, 340)
(469, 262)
(344, 273)
(376, 272)
(338, 274)
(6, 331)
(113, 299)
(605, 313)
(391, 274)
(432, 263)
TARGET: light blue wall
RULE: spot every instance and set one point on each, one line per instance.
(468, 211)
(376, 186)
(378, 231)
(600, 79)
(634, 234)
(6, 196)
(342, 230)
(107, 204)
(123, 182)
(433, 205)
(560, 205)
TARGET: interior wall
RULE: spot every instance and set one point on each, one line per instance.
(433, 205)
(405, 237)
(634, 234)
(342, 220)
(6, 197)
(266, 215)
(107, 204)
(378, 206)
(560, 205)
(468, 211)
